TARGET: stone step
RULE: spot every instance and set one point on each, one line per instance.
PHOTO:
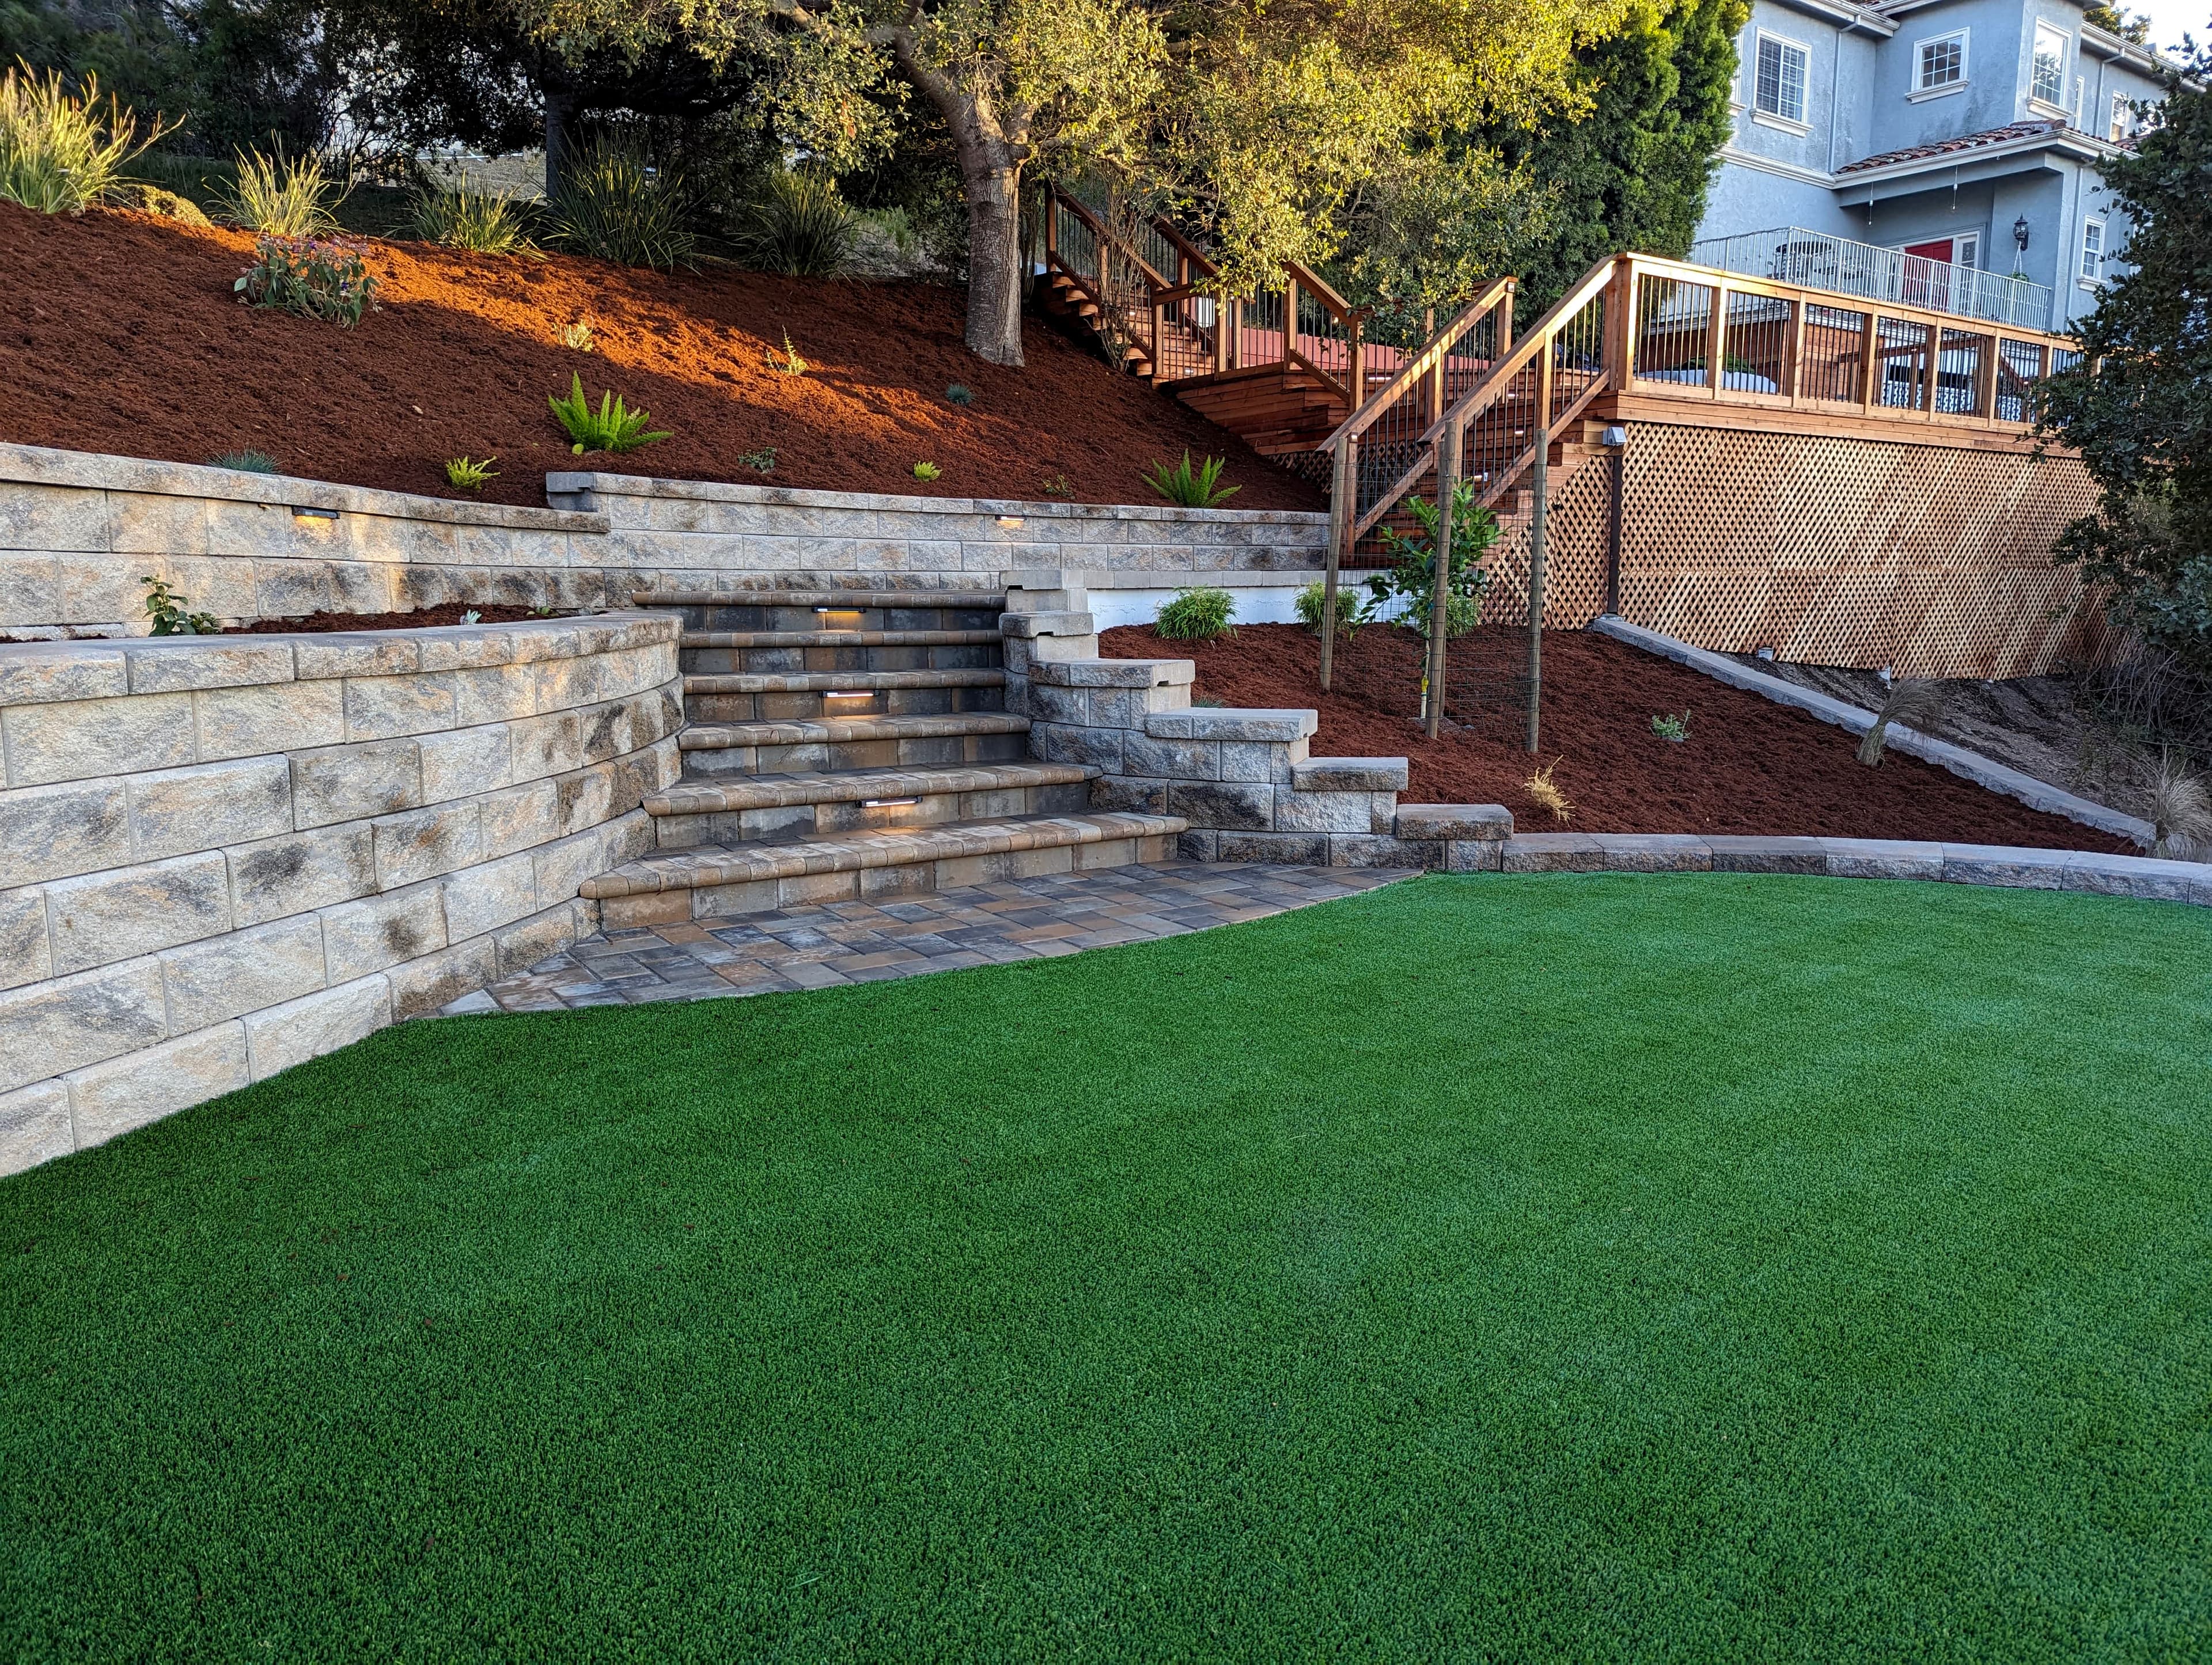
(789, 612)
(826, 682)
(823, 744)
(833, 599)
(799, 653)
(785, 808)
(716, 881)
(745, 697)
(826, 638)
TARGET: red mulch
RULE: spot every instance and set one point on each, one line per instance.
(1750, 766)
(445, 613)
(121, 334)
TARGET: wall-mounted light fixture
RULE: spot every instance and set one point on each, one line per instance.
(2019, 233)
(322, 517)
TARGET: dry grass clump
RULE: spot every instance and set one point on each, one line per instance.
(2180, 811)
(1546, 794)
(1915, 703)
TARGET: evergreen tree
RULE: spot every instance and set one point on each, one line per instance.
(1633, 172)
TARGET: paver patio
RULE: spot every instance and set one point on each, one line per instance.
(851, 942)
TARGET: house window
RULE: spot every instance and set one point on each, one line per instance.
(1780, 89)
(2048, 86)
(2092, 251)
(2124, 123)
(1969, 251)
(1942, 63)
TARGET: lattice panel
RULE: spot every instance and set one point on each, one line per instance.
(1932, 559)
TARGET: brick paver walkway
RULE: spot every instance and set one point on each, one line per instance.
(852, 942)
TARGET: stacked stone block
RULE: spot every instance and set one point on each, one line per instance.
(219, 856)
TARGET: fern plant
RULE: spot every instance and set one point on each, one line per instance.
(926, 471)
(1191, 488)
(613, 426)
(463, 475)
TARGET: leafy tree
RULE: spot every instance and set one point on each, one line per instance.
(2143, 420)
(1632, 172)
(2129, 26)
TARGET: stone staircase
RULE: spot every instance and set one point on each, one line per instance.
(848, 744)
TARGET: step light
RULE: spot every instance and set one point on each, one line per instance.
(887, 803)
(849, 694)
(825, 616)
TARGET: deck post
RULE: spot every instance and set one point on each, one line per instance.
(1793, 386)
(1432, 681)
(1716, 344)
(1538, 483)
(1343, 515)
(1870, 362)
(1290, 317)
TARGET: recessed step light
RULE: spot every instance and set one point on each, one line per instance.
(887, 803)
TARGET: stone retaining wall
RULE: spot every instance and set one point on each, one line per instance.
(220, 856)
(78, 533)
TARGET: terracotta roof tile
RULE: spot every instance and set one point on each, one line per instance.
(2018, 129)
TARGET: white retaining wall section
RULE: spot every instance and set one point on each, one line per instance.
(79, 532)
(222, 855)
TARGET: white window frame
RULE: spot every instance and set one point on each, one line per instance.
(1796, 124)
(2092, 268)
(1920, 89)
(2057, 102)
(1966, 250)
(2122, 124)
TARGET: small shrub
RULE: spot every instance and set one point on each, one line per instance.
(960, 394)
(577, 337)
(481, 221)
(170, 614)
(1196, 615)
(797, 225)
(762, 461)
(612, 426)
(61, 153)
(615, 207)
(1413, 579)
(1546, 794)
(156, 199)
(280, 198)
(322, 278)
(1313, 601)
(1057, 485)
(465, 476)
(246, 462)
(2180, 811)
(926, 471)
(1916, 704)
(790, 364)
(472, 616)
(1192, 489)
(1675, 726)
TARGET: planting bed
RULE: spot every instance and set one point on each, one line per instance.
(446, 613)
(123, 336)
(1749, 766)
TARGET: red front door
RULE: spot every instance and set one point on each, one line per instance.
(1928, 274)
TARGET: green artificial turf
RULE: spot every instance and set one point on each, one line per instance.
(1693, 1268)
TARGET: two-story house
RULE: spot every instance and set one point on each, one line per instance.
(1963, 132)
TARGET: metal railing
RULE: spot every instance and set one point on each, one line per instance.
(1791, 254)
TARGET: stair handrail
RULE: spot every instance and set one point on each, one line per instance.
(1539, 338)
(1423, 362)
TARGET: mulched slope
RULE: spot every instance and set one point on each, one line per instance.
(1749, 766)
(121, 334)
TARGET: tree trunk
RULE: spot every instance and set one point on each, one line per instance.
(557, 113)
(993, 185)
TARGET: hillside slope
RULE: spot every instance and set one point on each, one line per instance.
(123, 335)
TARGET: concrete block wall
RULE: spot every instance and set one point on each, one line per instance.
(78, 531)
(220, 856)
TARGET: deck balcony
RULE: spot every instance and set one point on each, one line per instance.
(1815, 260)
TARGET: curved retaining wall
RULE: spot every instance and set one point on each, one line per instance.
(222, 855)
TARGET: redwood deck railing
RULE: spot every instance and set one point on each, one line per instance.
(1652, 334)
